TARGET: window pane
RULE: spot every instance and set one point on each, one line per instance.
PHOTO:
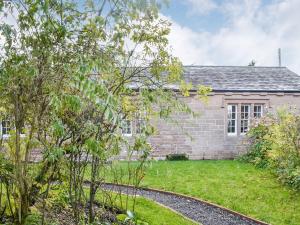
(140, 122)
(6, 126)
(140, 126)
(245, 117)
(126, 127)
(258, 111)
(231, 115)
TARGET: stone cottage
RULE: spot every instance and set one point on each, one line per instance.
(239, 94)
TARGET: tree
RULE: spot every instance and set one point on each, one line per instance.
(68, 74)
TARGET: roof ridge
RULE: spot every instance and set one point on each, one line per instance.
(235, 66)
(243, 78)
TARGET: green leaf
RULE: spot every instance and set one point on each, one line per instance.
(58, 128)
(72, 102)
(54, 154)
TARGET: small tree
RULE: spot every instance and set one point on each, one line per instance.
(69, 76)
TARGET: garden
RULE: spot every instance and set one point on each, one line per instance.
(236, 185)
(69, 72)
(71, 77)
(263, 183)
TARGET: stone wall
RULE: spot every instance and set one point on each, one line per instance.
(205, 136)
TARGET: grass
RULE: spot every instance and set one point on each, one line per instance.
(235, 185)
(152, 213)
(155, 214)
(232, 184)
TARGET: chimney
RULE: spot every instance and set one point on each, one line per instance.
(279, 57)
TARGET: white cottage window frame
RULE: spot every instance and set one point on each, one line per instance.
(7, 120)
(258, 111)
(140, 123)
(232, 119)
(5, 128)
(245, 117)
(262, 103)
(126, 128)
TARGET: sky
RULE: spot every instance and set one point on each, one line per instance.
(235, 32)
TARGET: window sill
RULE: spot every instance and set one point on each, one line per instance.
(6, 136)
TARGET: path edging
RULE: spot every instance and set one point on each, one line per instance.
(192, 198)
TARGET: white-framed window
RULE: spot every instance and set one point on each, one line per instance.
(127, 127)
(140, 125)
(6, 126)
(140, 122)
(258, 110)
(239, 116)
(232, 119)
(245, 118)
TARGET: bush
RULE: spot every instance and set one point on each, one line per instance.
(259, 146)
(177, 157)
(33, 219)
(275, 143)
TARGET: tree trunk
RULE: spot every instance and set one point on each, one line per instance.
(23, 207)
(93, 188)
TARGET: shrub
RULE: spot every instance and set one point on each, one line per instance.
(177, 157)
(259, 145)
(275, 143)
(33, 219)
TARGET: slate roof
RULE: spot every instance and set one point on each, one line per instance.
(243, 78)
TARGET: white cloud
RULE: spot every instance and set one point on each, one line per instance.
(254, 32)
(11, 19)
(200, 6)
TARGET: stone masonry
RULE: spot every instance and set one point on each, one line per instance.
(205, 136)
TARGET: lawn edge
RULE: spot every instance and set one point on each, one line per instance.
(158, 203)
(193, 198)
(172, 210)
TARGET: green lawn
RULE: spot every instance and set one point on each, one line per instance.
(232, 184)
(153, 213)
(156, 214)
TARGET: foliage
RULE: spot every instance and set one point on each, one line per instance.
(203, 92)
(33, 219)
(6, 174)
(259, 146)
(68, 76)
(149, 212)
(177, 157)
(276, 144)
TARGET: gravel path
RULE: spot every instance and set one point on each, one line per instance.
(196, 210)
